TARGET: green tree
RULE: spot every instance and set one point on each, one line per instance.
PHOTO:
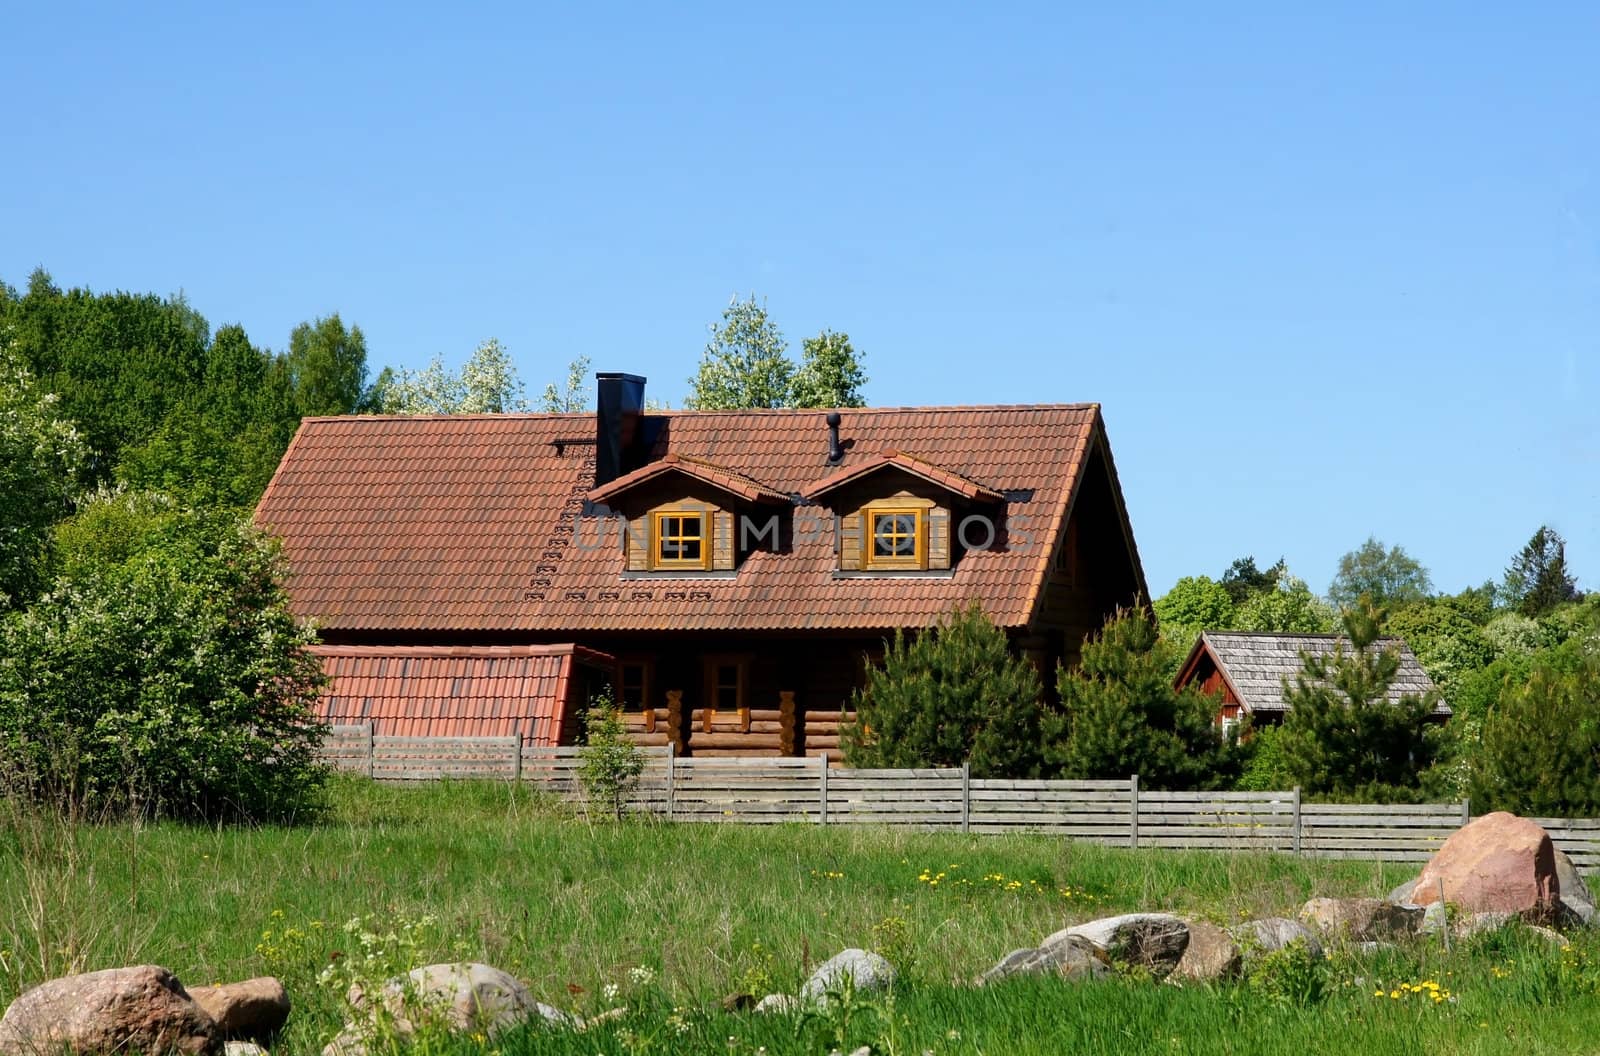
(1289, 607)
(610, 763)
(950, 694)
(1540, 748)
(1194, 604)
(830, 373)
(327, 367)
(486, 384)
(1120, 715)
(1391, 578)
(163, 672)
(573, 392)
(1537, 579)
(744, 364)
(1343, 736)
(41, 455)
(1243, 578)
(1446, 642)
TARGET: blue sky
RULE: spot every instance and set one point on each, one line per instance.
(1331, 274)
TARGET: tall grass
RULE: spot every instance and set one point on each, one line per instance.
(571, 906)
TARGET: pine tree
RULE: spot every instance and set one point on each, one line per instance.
(953, 693)
(1343, 736)
(1120, 715)
(1538, 580)
(1540, 748)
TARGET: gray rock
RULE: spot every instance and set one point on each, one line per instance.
(1212, 954)
(1274, 933)
(242, 1048)
(458, 996)
(1370, 947)
(1361, 919)
(866, 971)
(777, 1004)
(1576, 901)
(254, 1010)
(1070, 958)
(143, 1009)
(1401, 896)
(1433, 920)
(1154, 941)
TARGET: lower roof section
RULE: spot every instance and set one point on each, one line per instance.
(455, 691)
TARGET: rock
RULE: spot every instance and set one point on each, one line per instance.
(1154, 941)
(776, 1004)
(738, 1002)
(1211, 955)
(1433, 920)
(1496, 863)
(1270, 934)
(460, 996)
(1576, 901)
(254, 1010)
(1401, 896)
(143, 1009)
(242, 1048)
(1372, 946)
(1361, 919)
(866, 971)
(1071, 958)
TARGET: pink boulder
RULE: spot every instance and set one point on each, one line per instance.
(1498, 863)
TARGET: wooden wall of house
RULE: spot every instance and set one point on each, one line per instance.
(1091, 573)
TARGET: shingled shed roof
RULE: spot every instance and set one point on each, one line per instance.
(481, 522)
(1255, 665)
(476, 691)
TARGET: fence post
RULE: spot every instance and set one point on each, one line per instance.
(672, 775)
(822, 784)
(966, 797)
(371, 754)
(1296, 819)
(1133, 812)
(516, 757)
(1466, 809)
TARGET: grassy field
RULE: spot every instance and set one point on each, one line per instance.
(676, 917)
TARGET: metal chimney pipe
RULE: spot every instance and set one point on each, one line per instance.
(835, 451)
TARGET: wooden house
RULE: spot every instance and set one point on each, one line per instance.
(726, 571)
(1248, 671)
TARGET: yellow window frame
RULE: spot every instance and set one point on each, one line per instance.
(660, 536)
(918, 558)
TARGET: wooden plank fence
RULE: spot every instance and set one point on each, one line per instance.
(766, 791)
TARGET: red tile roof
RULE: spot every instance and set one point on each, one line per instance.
(433, 523)
(954, 483)
(730, 481)
(478, 691)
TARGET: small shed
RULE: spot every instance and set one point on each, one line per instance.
(1248, 671)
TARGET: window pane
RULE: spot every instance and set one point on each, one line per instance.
(894, 535)
(680, 537)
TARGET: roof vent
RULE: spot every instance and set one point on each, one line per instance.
(835, 451)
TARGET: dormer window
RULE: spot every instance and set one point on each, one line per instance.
(679, 540)
(897, 538)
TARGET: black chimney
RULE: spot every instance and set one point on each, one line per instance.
(618, 405)
(835, 452)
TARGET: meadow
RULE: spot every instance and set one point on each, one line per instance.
(665, 920)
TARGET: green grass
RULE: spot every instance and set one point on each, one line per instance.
(571, 907)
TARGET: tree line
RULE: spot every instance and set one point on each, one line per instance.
(149, 661)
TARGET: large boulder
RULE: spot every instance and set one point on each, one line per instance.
(1212, 954)
(1361, 919)
(1070, 958)
(1153, 941)
(1270, 934)
(458, 996)
(867, 972)
(1496, 863)
(254, 1010)
(143, 1009)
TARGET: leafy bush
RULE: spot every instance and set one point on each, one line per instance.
(611, 761)
(1120, 715)
(162, 674)
(1292, 975)
(951, 694)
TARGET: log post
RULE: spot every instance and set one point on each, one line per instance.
(677, 726)
(788, 741)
